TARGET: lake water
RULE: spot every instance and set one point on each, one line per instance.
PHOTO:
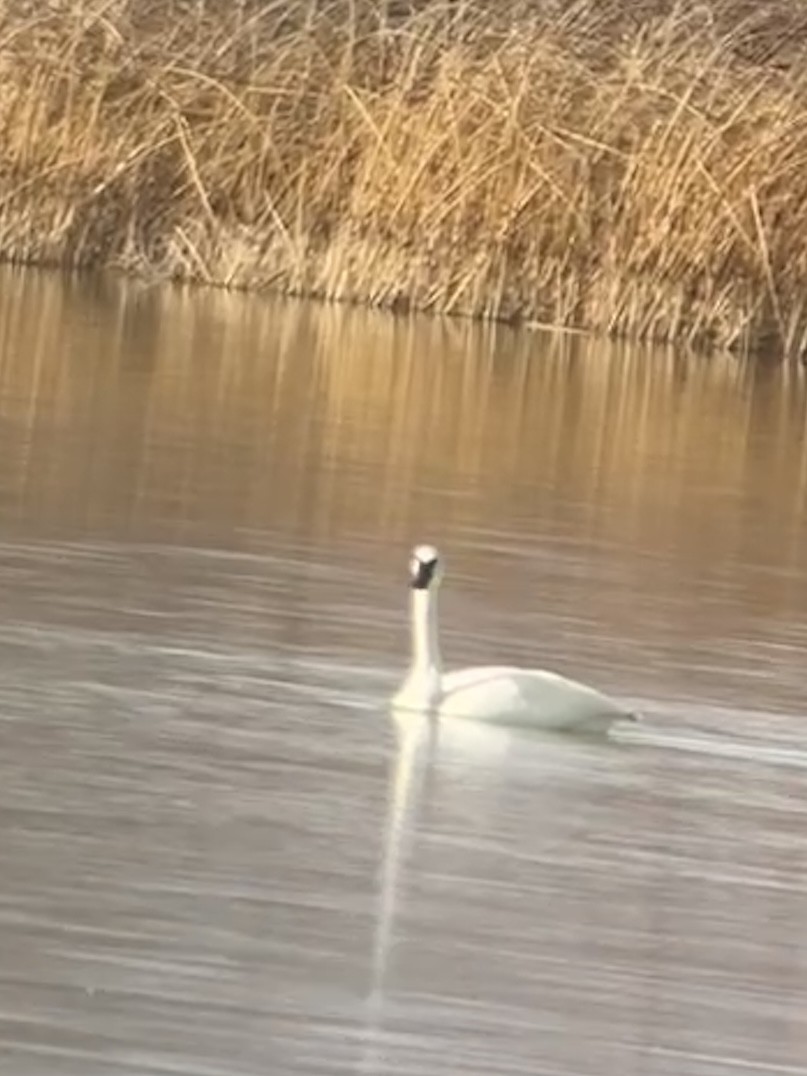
(221, 856)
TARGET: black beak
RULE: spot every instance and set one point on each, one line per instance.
(423, 575)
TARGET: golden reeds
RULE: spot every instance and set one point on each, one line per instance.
(638, 169)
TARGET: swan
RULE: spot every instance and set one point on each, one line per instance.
(495, 693)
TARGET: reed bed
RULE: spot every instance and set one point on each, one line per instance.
(637, 169)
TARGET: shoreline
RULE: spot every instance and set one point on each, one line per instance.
(638, 175)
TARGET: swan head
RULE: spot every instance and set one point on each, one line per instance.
(425, 569)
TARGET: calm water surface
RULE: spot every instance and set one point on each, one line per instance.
(221, 856)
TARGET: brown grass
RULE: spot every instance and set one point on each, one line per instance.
(633, 168)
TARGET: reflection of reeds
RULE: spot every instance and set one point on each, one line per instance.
(173, 414)
(636, 438)
(255, 412)
(634, 168)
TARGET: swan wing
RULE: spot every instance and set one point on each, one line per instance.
(487, 693)
(535, 698)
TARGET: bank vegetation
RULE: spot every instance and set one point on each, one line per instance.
(635, 168)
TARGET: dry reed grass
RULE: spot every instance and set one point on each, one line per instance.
(638, 169)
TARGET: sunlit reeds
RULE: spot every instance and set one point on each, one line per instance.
(638, 169)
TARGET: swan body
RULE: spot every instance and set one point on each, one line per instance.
(500, 694)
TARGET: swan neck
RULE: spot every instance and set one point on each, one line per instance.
(425, 646)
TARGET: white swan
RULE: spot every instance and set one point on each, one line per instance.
(495, 693)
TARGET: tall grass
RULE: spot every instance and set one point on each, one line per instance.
(632, 168)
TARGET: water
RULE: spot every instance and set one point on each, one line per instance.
(220, 854)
